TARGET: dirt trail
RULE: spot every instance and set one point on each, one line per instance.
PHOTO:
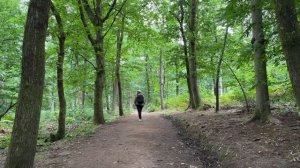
(126, 143)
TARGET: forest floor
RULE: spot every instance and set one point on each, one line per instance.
(228, 139)
(194, 140)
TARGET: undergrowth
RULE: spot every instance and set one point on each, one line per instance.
(78, 123)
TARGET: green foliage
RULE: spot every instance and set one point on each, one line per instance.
(231, 98)
(4, 140)
(6, 124)
(152, 107)
(179, 102)
(9, 118)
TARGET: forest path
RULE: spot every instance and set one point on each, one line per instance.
(126, 143)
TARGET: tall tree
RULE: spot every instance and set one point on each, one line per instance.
(25, 130)
(161, 80)
(262, 108)
(118, 63)
(147, 76)
(288, 28)
(196, 101)
(60, 75)
(216, 89)
(97, 20)
(180, 18)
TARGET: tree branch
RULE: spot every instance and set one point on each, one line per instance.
(110, 10)
(123, 4)
(59, 21)
(89, 34)
(7, 110)
(88, 61)
(89, 11)
(181, 12)
(8, 39)
(175, 16)
(98, 9)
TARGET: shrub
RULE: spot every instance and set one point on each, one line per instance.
(179, 102)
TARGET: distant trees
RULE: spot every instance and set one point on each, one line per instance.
(25, 130)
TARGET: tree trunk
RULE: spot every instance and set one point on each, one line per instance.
(82, 91)
(217, 90)
(161, 81)
(118, 64)
(99, 85)
(60, 75)
(193, 59)
(185, 50)
(26, 124)
(52, 100)
(148, 69)
(177, 77)
(130, 101)
(107, 99)
(114, 102)
(289, 32)
(262, 110)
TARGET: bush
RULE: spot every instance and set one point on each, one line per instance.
(236, 98)
(151, 107)
(179, 102)
(4, 140)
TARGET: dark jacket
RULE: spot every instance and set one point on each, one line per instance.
(139, 100)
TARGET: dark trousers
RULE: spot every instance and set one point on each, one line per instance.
(139, 108)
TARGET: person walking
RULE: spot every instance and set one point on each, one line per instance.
(139, 103)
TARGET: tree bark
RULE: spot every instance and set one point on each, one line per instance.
(99, 84)
(262, 110)
(196, 101)
(217, 90)
(161, 80)
(60, 75)
(289, 32)
(25, 130)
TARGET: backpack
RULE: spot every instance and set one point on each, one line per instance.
(140, 100)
